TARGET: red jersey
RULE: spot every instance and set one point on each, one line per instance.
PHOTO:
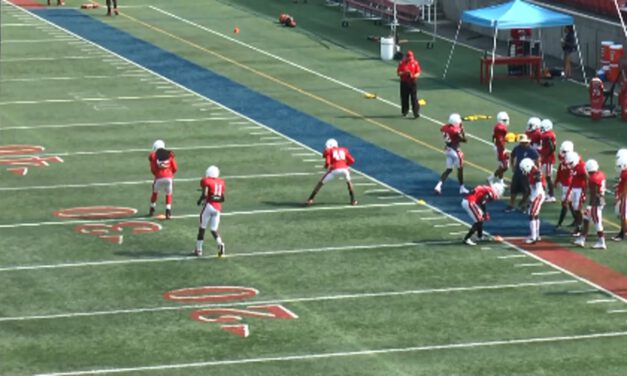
(338, 157)
(536, 138)
(408, 69)
(452, 135)
(579, 174)
(563, 173)
(213, 188)
(547, 153)
(498, 136)
(622, 182)
(162, 169)
(481, 194)
(536, 176)
(596, 186)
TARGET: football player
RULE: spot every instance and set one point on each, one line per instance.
(563, 179)
(537, 184)
(577, 187)
(163, 167)
(337, 161)
(212, 197)
(594, 211)
(534, 133)
(475, 203)
(453, 133)
(547, 156)
(498, 138)
(520, 183)
(115, 7)
(621, 197)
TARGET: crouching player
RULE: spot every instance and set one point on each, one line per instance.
(536, 183)
(213, 189)
(594, 211)
(475, 205)
(337, 161)
(163, 167)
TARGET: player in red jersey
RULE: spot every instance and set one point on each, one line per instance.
(547, 156)
(337, 161)
(453, 134)
(163, 167)
(534, 133)
(563, 179)
(577, 187)
(502, 155)
(594, 211)
(621, 197)
(537, 196)
(475, 205)
(213, 193)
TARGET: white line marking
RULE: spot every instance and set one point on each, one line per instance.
(73, 100)
(432, 218)
(64, 78)
(257, 133)
(25, 59)
(420, 211)
(597, 301)
(291, 300)
(449, 346)
(107, 124)
(241, 123)
(228, 214)
(14, 41)
(486, 248)
(448, 225)
(308, 154)
(270, 137)
(376, 190)
(547, 273)
(316, 160)
(527, 265)
(17, 25)
(458, 233)
(617, 311)
(390, 197)
(512, 256)
(140, 182)
(231, 255)
(365, 184)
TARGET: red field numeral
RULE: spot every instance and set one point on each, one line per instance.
(114, 233)
(229, 319)
(20, 165)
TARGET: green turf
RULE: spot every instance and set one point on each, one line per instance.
(379, 276)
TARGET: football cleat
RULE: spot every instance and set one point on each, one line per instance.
(115, 11)
(438, 190)
(580, 242)
(463, 190)
(221, 250)
(151, 212)
(530, 240)
(469, 242)
(600, 244)
(576, 234)
(198, 252)
(168, 213)
(354, 202)
(309, 202)
(618, 238)
(550, 199)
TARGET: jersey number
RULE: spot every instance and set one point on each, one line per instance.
(339, 155)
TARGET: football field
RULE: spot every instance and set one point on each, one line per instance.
(92, 285)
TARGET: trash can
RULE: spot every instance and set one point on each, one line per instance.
(387, 48)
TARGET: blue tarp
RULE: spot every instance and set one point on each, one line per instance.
(516, 14)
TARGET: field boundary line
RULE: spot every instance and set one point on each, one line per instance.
(108, 123)
(293, 300)
(95, 99)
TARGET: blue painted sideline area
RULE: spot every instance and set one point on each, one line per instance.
(396, 171)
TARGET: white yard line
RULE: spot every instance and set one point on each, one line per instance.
(371, 352)
(140, 182)
(29, 59)
(599, 301)
(518, 255)
(449, 225)
(292, 300)
(231, 255)
(108, 123)
(96, 99)
(227, 214)
(376, 190)
(528, 265)
(16, 41)
(553, 272)
(65, 78)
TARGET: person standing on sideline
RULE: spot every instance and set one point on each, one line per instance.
(475, 205)
(502, 155)
(569, 45)
(537, 184)
(115, 7)
(577, 187)
(409, 70)
(163, 167)
(547, 154)
(213, 190)
(337, 161)
(594, 211)
(453, 134)
(520, 184)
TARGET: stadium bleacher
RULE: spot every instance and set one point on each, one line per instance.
(384, 9)
(602, 7)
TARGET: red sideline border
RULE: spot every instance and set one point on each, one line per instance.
(27, 3)
(603, 277)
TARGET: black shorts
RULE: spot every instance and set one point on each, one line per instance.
(520, 184)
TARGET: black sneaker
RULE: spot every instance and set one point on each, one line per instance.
(221, 250)
(618, 238)
(416, 115)
(168, 213)
(151, 212)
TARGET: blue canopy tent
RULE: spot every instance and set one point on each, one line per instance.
(516, 14)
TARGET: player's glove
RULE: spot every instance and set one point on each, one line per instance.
(199, 202)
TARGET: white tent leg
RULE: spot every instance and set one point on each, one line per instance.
(496, 30)
(583, 67)
(620, 15)
(450, 55)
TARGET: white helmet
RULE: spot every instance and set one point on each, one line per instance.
(159, 144)
(498, 189)
(621, 164)
(331, 143)
(621, 153)
(546, 125)
(455, 119)
(533, 123)
(502, 117)
(526, 165)
(566, 147)
(592, 165)
(572, 159)
(212, 172)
